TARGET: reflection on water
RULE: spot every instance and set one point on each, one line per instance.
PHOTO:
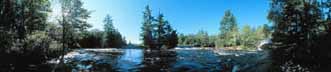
(132, 60)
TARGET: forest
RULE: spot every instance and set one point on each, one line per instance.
(300, 32)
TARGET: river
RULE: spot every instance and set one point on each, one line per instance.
(173, 60)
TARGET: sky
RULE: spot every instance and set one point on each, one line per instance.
(186, 16)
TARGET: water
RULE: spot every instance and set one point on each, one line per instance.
(133, 60)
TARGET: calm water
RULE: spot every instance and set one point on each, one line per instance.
(132, 60)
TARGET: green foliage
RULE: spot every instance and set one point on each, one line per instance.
(26, 36)
(38, 40)
(201, 39)
(110, 38)
(73, 21)
(147, 29)
(113, 38)
(229, 34)
(20, 18)
(298, 26)
(7, 22)
(248, 38)
(157, 33)
(93, 39)
(165, 35)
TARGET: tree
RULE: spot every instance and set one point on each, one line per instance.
(160, 31)
(7, 22)
(248, 38)
(173, 40)
(202, 38)
(113, 38)
(181, 39)
(93, 39)
(171, 36)
(166, 37)
(157, 33)
(21, 18)
(297, 24)
(229, 34)
(146, 34)
(23, 34)
(263, 32)
(74, 21)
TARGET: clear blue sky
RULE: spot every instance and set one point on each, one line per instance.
(186, 16)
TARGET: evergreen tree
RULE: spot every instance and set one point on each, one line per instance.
(20, 18)
(160, 31)
(202, 38)
(157, 33)
(171, 40)
(166, 37)
(297, 26)
(7, 23)
(113, 38)
(93, 39)
(74, 22)
(248, 38)
(23, 35)
(147, 28)
(228, 35)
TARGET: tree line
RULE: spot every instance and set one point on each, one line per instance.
(246, 38)
(109, 38)
(200, 39)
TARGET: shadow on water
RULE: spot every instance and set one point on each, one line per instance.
(156, 60)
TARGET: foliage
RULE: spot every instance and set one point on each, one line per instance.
(248, 38)
(113, 38)
(300, 26)
(229, 34)
(147, 29)
(93, 39)
(18, 19)
(251, 37)
(157, 33)
(73, 21)
(201, 39)
(25, 33)
(110, 38)
(7, 22)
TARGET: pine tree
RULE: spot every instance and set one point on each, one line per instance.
(166, 37)
(7, 22)
(229, 34)
(74, 21)
(171, 40)
(147, 28)
(160, 32)
(297, 24)
(113, 38)
(157, 33)
(202, 38)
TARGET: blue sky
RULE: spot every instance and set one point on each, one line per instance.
(186, 16)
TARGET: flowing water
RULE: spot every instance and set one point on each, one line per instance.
(136, 60)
